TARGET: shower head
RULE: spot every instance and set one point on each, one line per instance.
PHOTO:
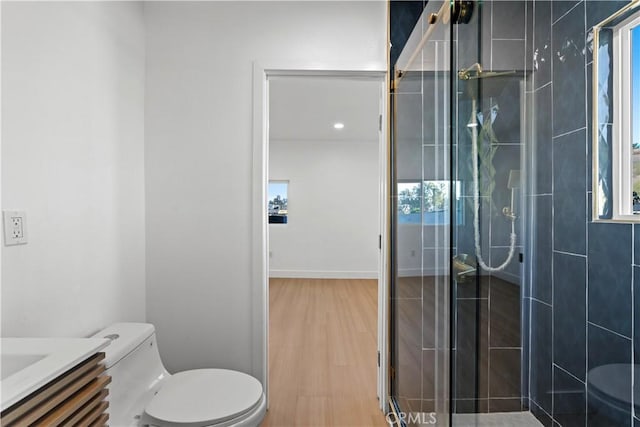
(476, 83)
(514, 179)
(476, 72)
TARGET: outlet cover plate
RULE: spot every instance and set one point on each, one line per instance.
(15, 227)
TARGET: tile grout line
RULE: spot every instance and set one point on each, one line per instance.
(553, 238)
(565, 14)
(490, 239)
(530, 133)
(609, 330)
(569, 132)
(540, 301)
(633, 324)
(568, 373)
(586, 285)
(569, 254)
(541, 87)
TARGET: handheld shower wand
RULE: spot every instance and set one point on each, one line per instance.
(513, 184)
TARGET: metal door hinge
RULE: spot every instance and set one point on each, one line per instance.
(392, 372)
(461, 11)
(380, 241)
(380, 122)
(378, 359)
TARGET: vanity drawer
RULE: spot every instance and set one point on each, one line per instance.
(75, 398)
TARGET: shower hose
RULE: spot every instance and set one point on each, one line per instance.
(476, 205)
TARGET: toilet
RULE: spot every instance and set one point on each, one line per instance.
(611, 396)
(142, 393)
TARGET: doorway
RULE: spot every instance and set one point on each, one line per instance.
(324, 216)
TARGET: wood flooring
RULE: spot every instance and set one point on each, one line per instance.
(322, 353)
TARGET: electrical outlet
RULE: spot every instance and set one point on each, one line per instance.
(15, 227)
(18, 231)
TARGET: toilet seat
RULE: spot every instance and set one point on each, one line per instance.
(612, 384)
(204, 397)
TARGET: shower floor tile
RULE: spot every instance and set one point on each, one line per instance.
(498, 419)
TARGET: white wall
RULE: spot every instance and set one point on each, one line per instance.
(332, 229)
(72, 157)
(199, 155)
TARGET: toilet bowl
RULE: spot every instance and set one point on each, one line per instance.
(142, 392)
(611, 397)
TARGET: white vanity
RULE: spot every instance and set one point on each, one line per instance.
(52, 381)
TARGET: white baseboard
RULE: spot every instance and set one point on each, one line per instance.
(307, 274)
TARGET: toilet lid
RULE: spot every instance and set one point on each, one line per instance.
(613, 383)
(204, 396)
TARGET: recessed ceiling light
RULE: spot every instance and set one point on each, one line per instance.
(338, 125)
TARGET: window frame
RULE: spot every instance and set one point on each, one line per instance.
(622, 126)
(610, 203)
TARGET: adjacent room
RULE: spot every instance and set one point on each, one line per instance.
(324, 214)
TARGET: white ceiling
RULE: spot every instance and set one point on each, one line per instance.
(305, 109)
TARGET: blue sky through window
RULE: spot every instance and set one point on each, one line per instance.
(278, 189)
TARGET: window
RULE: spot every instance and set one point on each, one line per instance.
(635, 117)
(626, 120)
(277, 206)
(616, 116)
(431, 209)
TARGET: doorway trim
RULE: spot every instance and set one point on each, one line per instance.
(259, 228)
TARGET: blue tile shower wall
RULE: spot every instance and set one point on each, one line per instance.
(403, 16)
(581, 283)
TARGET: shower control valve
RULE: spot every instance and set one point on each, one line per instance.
(506, 211)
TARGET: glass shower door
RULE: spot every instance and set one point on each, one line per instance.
(457, 346)
(422, 225)
(487, 232)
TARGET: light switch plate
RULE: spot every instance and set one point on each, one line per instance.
(15, 227)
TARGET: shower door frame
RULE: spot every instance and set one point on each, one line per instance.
(262, 71)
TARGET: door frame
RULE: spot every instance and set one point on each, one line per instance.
(259, 221)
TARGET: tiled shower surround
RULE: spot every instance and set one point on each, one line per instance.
(576, 305)
(580, 273)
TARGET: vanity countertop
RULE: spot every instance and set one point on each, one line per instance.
(26, 364)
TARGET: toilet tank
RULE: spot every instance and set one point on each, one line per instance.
(133, 362)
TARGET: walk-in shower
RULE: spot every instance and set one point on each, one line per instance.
(457, 346)
(515, 294)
